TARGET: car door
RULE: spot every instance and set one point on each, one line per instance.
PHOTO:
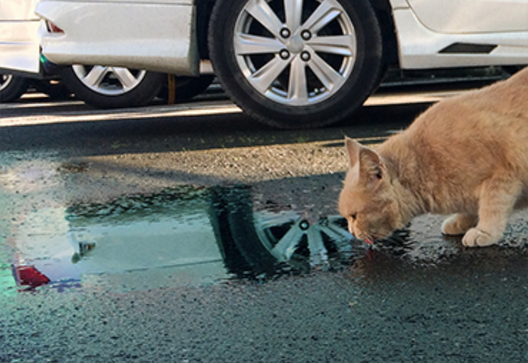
(472, 16)
(157, 35)
(19, 43)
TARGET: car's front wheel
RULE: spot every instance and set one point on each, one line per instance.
(296, 63)
(112, 87)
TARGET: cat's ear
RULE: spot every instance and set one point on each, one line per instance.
(352, 147)
(371, 168)
(365, 163)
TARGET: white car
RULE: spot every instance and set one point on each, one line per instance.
(101, 86)
(289, 63)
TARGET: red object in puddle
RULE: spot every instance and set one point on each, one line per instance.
(371, 254)
(30, 276)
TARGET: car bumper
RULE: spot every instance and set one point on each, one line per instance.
(155, 36)
(19, 46)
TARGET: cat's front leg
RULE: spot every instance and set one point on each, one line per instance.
(458, 224)
(497, 198)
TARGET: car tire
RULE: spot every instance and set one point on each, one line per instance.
(241, 225)
(234, 260)
(311, 69)
(112, 87)
(187, 88)
(511, 70)
(12, 87)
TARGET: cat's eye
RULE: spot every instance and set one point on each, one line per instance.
(353, 216)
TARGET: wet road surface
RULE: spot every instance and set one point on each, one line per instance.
(191, 234)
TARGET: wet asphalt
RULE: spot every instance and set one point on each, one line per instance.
(154, 235)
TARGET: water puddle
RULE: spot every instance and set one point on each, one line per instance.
(180, 237)
(192, 237)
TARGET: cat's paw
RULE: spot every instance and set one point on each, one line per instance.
(477, 238)
(457, 225)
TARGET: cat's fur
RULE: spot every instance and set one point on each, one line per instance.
(466, 155)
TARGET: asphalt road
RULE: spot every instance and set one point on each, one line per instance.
(68, 171)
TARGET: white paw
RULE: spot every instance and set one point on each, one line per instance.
(477, 238)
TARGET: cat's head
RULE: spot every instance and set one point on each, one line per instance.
(369, 200)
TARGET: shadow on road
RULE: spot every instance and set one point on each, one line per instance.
(173, 134)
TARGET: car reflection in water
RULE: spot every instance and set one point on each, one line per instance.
(180, 237)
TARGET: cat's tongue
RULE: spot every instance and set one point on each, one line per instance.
(369, 241)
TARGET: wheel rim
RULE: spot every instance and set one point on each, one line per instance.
(285, 233)
(5, 80)
(298, 52)
(109, 81)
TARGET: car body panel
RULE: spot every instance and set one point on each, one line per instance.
(19, 42)
(158, 36)
(422, 48)
(397, 4)
(472, 16)
(17, 10)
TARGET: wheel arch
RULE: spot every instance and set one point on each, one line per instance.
(383, 11)
(204, 9)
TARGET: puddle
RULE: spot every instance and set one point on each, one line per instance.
(179, 237)
(193, 237)
(30, 177)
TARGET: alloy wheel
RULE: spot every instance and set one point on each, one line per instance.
(286, 233)
(109, 81)
(297, 52)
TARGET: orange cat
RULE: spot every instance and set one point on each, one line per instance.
(466, 155)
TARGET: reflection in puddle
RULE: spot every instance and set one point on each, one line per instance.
(179, 237)
(134, 242)
(191, 237)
